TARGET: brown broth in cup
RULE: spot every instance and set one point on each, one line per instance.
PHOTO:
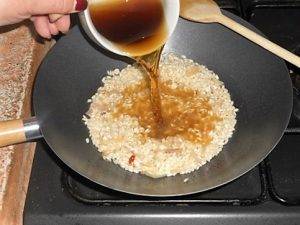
(137, 27)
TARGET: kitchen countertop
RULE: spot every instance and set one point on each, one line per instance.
(20, 54)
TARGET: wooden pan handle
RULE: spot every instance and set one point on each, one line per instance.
(256, 38)
(18, 131)
(12, 132)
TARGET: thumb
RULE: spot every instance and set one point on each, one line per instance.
(41, 7)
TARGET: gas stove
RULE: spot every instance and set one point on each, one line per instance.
(269, 194)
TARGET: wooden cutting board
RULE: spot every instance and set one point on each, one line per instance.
(21, 52)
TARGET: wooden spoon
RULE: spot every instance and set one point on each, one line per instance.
(207, 11)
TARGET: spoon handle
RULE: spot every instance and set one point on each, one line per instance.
(256, 38)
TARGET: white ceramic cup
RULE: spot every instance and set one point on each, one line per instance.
(171, 11)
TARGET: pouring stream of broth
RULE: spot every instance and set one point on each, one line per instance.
(139, 29)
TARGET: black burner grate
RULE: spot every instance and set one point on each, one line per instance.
(231, 194)
(282, 171)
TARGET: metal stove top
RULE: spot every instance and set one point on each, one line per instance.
(269, 194)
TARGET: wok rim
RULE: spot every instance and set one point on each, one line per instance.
(219, 184)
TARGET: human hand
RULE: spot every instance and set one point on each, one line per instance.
(38, 11)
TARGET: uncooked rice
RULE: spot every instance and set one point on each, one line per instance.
(118, 139)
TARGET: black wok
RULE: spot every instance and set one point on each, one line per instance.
(257, 81)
